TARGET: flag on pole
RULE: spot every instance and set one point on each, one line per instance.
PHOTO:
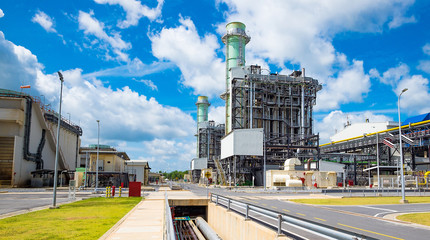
(25, 86)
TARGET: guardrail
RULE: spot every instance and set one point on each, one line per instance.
(320, 229)
(169, 230)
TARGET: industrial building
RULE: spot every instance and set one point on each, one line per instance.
(28, 131)
(268, 115)
(371, 151)
(138, 171)
(111, 165)
(209, 136)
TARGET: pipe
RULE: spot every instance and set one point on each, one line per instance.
(425, 179)
(197, 232)
(33, 157)
(207, 231)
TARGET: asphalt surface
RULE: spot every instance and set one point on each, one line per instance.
(363, 220)
(18, 201)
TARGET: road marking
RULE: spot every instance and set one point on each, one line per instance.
(364, 230)
(285, 210)
(274, 207)
(301, 214)
(264, 204)
(320, 219)
(384, 209)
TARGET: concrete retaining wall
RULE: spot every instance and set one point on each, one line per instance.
(232, 226)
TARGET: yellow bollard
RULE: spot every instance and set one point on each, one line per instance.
(119, 191)
(107, 192)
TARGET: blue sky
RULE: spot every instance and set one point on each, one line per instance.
(138, 66)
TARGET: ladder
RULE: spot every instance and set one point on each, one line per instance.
(220, 171)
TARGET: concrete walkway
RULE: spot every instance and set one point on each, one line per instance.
(146, 220)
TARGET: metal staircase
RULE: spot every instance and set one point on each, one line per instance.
(220, 171)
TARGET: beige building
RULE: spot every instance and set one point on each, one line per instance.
(111, 166)
(110, 160)
(28, 141)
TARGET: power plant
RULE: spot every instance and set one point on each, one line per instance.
(268, 116)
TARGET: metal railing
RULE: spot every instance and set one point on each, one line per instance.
(313, 227)
(169, 230)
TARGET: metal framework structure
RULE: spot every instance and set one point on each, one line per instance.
(209, 141)
(282, 105)
(365, 154)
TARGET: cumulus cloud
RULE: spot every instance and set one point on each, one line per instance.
(44, 21)
(301, 33)
(416, 98)
(1, 13)
(92, 27)
(135, 11)
(124, 114)
(217, 114)
(350, 85)
(18, 65)
(335, 121)
(194, 55)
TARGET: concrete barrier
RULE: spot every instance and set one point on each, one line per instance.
(232, 226)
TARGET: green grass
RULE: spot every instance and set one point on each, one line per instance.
(361, 200)
(86, 219)
(420, 218)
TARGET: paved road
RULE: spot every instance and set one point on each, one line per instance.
(15, 201)
(363, 220)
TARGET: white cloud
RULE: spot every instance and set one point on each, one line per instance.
(149, 83)
(426, 49)
(350, 85)
(91, 26)
(18, 65)
(135, 11)
(44, 20)
(393, 75)
(134, 68)
(1, 13)
(217, 114)
(416, 99)
(300, 33)
(424, 66)
(124, 114)
(195, 56)
(336, 120)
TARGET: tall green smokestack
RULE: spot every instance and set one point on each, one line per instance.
(235, 40)
(202, 108)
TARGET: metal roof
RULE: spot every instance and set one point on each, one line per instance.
(415, 119)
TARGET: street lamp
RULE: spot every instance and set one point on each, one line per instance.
(98, 147)
(54, 200)
(402, 176)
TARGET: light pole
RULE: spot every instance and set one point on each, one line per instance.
(98, 147)
(402, 176)
(69, 117)
(54, 199)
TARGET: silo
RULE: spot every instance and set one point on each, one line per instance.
(235, 40)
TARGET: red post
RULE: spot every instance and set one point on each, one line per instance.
(113, 191)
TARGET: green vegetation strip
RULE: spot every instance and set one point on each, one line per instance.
(361, 200)
(420, 218)
(86, 219)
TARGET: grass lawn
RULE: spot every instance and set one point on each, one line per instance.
(420, 218)
(361, 200)
(86, 219)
